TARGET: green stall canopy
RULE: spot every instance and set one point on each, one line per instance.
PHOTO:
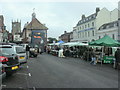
(105, 41)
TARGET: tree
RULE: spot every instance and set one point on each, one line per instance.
(50, 40)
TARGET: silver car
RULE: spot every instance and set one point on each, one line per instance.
(20, 52)
(17, 50)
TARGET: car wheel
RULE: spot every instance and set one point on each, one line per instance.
(35, 55)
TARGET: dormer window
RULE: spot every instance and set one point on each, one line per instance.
(89, 17)
(93, 16)
(116, 24)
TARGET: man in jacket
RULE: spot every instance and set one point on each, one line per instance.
(117, 58)
(27, 51)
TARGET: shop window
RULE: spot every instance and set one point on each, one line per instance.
(82, 27)
(88, 25)
(85, 26)
(99, 37)
(113, 36)
(93, 33)
(88, 34)
(92, 23)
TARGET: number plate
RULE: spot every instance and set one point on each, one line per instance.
(13, 68)
(22, 57)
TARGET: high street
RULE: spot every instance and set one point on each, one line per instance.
(47, 71)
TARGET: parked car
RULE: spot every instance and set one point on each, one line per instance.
(17, 50)
(33, 52)
(24, 46)
(2, 72)
(20, 52)
(9, 58)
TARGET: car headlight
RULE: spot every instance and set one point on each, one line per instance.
(32, 49)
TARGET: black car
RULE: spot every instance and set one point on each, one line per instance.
(10, 61)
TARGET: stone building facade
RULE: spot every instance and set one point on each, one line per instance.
(35, 24)
(16, 27)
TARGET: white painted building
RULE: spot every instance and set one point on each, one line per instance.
(110, 29)
(87, 28)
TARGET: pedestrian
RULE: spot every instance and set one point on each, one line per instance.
(117, 59)
(48, 49)
(66, 52)
(27, 51)
(60, 53)
(93, 57)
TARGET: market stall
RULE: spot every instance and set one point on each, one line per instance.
(76, 48)
(106, 43)
(55, 47)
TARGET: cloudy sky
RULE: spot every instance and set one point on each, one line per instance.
(58, 15)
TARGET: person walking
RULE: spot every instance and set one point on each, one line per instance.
(93, 57)
(27, 51)
(66, 52)
(117, 59)
(60, 53)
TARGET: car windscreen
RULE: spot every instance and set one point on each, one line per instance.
(6, 51)
(20, 50)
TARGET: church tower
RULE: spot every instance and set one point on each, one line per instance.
(16, 27)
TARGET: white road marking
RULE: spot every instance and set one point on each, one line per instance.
(27, 66)
(34, 88)
(29, 74)
(20, 87)
(22, 73)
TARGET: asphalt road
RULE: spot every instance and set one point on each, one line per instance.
(47, 71)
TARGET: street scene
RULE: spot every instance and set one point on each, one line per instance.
(59, 45)
(47, 71)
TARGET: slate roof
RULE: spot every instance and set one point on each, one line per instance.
(36, 25)
(108, 25)
(87, 19)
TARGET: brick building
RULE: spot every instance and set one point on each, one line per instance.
(66, 37)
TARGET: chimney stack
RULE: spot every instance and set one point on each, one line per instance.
(65, 32)
(83, 16)
(97, 10)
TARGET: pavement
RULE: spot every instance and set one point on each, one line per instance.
(47, 71)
